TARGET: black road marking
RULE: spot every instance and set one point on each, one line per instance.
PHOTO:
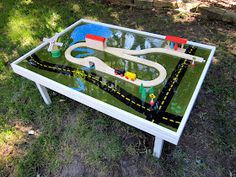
(168, 91)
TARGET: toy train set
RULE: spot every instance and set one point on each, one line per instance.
(127, 74)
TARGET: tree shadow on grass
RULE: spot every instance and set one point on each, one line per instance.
(26, 23)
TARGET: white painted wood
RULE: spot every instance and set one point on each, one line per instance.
(158, 145)
(204, 46)
(44, 93)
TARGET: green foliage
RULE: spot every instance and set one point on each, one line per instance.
(151, 90)
(143, 95)
(141, 88)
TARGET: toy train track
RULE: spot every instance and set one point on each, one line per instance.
(155, 115)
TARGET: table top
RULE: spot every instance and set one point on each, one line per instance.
(154, 77)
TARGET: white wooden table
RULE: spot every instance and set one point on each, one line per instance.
(160, 133)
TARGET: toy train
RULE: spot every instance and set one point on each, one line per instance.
(120, 72)
(128, 75)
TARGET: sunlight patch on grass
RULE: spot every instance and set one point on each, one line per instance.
(60, 29)
(4, 77)
(141, 28)
(52, 20)
(215, 61)
(1, 65)
(19, 28)
(76, 7)
(183, 17)
(14, 138)
(26, 2)
(91, 18)
(9, 137)
(115, 15)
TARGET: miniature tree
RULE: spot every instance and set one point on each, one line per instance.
(151, 90)
(143, 95)
(141, 88)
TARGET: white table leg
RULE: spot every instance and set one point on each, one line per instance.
(158, 144)
(44, 93)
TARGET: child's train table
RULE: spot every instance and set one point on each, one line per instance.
(146, 80)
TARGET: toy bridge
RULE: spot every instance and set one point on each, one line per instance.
(176, 41)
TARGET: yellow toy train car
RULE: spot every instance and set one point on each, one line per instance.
(131, 76)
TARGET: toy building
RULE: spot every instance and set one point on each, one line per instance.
(95, 42)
